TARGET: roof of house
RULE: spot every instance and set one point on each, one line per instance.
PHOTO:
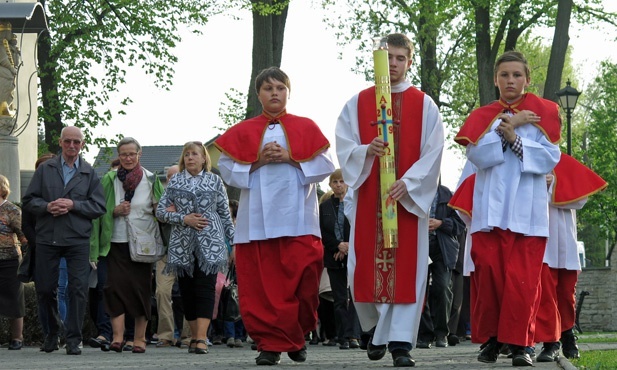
(155, 158)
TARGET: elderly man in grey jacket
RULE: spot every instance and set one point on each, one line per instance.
(65, 195)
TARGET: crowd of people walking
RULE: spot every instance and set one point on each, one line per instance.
(492, 263)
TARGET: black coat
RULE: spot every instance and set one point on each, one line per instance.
(328, 211)
(450, 229)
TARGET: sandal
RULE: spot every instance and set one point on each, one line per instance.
(201, 351)
(192, 345)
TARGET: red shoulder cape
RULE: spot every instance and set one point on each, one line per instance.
(462, 199)
(481, 119)
(242, 142)
(574, 181)
(387, 275)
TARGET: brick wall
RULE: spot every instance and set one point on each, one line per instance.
(599, 311)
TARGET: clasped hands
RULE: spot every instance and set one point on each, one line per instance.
(273, 152)
(509, 123)
(343, 249)
(60, 206)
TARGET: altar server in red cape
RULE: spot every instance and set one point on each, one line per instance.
(277, 159)
(388, 285)
(512, 144)
(570, 184)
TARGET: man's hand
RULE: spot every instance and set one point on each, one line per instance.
(377, 147)
(397, 190)
(434, 224)
(60, 206)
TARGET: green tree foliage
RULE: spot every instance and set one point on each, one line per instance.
(599, 152)
(457, 41)
(92, 46)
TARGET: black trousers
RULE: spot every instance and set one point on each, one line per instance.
(345, 316)
(198, 293)
(438, 302)
(46, 284)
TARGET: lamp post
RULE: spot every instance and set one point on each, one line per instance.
(568, 96)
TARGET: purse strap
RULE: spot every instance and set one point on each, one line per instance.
(231, 273)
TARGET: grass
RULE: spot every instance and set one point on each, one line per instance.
(597, 337)
(596, 360)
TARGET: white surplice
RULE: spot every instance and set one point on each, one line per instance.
(510, 193)
(276, 200)
(561, 248)
(393, 322)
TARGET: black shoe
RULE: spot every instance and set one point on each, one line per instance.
(520, 357)
(95, 342)
(268, 358)
(330, 343)
(105, 345)
(343, 345)
(72, 349)
(374, 352)
(489, 351)
(353, 343)
(299, 355)
(402, 358)
(441, 342)
(51, 343)
(127, 348)
(549, 353)
(365, 337)
(568, 345)
(15, 345)
(421, 343)
(453, 340)
(254, 346)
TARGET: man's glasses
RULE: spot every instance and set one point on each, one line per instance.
(71, 141)
(127, 155)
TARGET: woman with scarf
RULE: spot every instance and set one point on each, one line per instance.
(196, 204)
(131, 194)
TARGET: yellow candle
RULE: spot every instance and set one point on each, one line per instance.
(387, 173)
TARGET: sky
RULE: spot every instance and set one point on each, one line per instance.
(321, 84)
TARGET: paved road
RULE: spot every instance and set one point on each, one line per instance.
(460, 357)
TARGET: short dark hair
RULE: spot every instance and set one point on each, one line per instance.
(512, 56)
(401, 41)
(271, 73)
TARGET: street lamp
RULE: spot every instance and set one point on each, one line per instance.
(568, 96)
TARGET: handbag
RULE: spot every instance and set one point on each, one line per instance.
(229, 305)
(145, 247)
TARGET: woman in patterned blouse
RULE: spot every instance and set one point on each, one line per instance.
(196, 204)
(11, 289)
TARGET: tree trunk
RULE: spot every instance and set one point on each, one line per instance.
(559, 48)
(429, 79)
(484, 57)
(49, 92)
(268, 34)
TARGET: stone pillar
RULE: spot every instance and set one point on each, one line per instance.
(9, 165)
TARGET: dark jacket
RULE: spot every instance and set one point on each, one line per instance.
(84, 190)
(450, 229)
(328, 211)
